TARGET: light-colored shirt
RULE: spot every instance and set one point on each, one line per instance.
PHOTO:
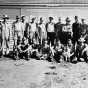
(33, 27)
(42, 27)
(5, 30)
(18, 27)
(23, 27)
(50, 27)
(18, 30)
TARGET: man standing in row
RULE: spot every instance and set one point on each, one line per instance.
(58, 30)
(83, 31)
(17, 30)
(42, 31)
(5, 35)
(23, 24)
(33, 28)
(0, 36)
(50, 27)
(76, 27)
(67, 31)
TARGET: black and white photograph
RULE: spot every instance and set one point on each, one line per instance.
(43, 43)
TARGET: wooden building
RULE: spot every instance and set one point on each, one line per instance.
(60, 8)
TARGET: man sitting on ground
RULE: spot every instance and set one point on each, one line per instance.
(46, 51)
(35, 49)
(23, 49)
(58, 51)
(80, 49)
(69, 51)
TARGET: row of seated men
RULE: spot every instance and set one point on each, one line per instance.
(56, 53)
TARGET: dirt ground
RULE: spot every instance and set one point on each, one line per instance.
(42, 74)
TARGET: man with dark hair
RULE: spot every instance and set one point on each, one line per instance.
(33, 29)
(0, 38)
(23, 49)
(46, 51)
(50, 27)
(23, 24)
(58, 51)
(0, 34)
(76, 27)
(83, 30)
(58, 30)
(17, 31)
(35, 49)
(42, 30)
(67, 31)
(80, 49)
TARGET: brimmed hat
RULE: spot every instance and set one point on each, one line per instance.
(5, 17)
(22, 16)
(81, 40)
(17, 17)
(68, 19)
(33, 18)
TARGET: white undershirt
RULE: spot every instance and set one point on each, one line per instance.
(32, 27)
(50, 27)
(42, 27)
(18, 27)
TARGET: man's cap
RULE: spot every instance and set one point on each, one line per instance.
(51, 18)
(68, 19)
(17, 17)
(5, 17)
(22, 16)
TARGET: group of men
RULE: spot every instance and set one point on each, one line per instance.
(50, 41)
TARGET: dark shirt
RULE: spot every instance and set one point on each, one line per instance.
(46, 50)
(35, 46)
(79, 50)
(26, 31)
(83, 29)
(0, 30)
(76, 27)
(24, 47)
(58, 27)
